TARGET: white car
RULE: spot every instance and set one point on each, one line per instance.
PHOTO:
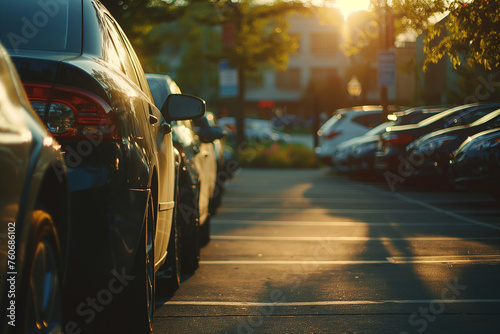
(345, 124)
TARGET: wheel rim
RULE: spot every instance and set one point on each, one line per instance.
(44, 312)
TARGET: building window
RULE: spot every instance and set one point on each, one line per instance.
(324, 44)
(323, 75)
(289, 79)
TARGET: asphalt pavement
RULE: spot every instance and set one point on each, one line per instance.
(308, 251)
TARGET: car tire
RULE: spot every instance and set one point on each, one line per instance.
(205, 232)
(188, 215)
(42, 287)
(139, 296)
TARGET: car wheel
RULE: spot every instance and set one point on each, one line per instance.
(205, 232)
(43, 313)
(140, 295)
(189, 214)
(168, 279)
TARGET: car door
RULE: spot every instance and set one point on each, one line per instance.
(160, 143)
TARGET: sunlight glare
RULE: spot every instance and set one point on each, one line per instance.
(347, 7)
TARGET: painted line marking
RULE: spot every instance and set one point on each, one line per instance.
(264, 238)
(330, 199)
(232, 262)
(331, 302)
(445, 259)
(216, 221)
(431, 210)
(388, 260)
(449, 213)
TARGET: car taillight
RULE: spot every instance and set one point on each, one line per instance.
(397, 139)
(72, 113)
(332, 134)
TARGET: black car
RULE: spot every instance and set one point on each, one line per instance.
(86, 84)
(197, 174)
(476, 163)
(415, 115)
(357, 155)
(432, 152)
(208, 130)
(33, 214)
(391, 150)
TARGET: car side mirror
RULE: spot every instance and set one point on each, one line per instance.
(179, 107)
(209, 134)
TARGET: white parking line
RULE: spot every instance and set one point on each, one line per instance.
(431, 210)
(453, 259)
(449, 213)
(264, 238)
(445, 259)
(232, 262)
(332, 302)
(330, 199)
(216, 221)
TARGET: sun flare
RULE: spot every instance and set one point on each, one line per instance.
(347, 7)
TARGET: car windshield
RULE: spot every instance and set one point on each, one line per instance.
(443, 114)
(378, 129)
(41, 25)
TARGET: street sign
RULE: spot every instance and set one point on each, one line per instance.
(228, 80)
(387, 68)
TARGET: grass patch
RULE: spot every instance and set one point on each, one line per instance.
(277, 155)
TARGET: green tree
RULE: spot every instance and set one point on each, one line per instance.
(471, 33)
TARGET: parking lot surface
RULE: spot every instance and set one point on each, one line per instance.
(308, 251)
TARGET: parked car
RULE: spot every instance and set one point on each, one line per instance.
(292, 122)
(357, 155)
(210, 133)
(433, 151)
(85, 82)
(256, 130)
(33, 214)
(197, 176)
(345, 124)
(476, 163)
(415, 115)
(392, 143)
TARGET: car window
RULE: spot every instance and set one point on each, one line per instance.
(159, 90)
(122, 51)
(136, 64)
(470, 116)
(370, 120)
(378, 129)
(333, 121)
(39, 25)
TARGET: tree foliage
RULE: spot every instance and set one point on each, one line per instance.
(470, 34)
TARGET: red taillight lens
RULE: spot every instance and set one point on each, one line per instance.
(72, 113)
(397, 139)
(332, 134)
